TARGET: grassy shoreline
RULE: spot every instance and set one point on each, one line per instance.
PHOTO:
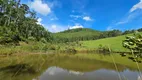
(115, 44)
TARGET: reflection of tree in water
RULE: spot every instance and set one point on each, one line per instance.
(86, 65)
(18, 69)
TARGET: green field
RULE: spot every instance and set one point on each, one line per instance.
(115, 43)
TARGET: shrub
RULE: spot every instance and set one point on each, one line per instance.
(52, 47)
(45, 47)
(31, 38)
(43, 40)
(70, 50)
(103, 49)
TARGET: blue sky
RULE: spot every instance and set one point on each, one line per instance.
(59, 15)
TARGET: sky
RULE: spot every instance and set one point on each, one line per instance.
(59, 15)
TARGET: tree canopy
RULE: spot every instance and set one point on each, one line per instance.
(18, 22)
(82, 34)
(134, 43)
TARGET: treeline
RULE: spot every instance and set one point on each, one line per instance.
(75, 35)
(131, 31)
(19, 23)
(83, 34)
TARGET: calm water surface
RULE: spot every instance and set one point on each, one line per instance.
(64, 68)
(56, 73)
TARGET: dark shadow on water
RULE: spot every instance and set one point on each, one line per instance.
(131, 58)
(134, 60)
(123, 54)
(18, 69)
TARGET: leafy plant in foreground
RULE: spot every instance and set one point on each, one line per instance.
(134, 43)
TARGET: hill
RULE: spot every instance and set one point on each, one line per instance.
(79, 30)
(115, 43)
(79, 34)
(82, 34)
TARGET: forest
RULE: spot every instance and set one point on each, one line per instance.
(19, 23)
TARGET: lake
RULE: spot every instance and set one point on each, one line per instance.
(66, 67)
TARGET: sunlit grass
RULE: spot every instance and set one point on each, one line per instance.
(115, 43)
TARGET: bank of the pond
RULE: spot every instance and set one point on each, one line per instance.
(68, 47)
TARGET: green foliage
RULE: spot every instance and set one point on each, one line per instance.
(31, 38)
(103, 49)
(128, 32)
(70, 50)
(43, 40)
(45, 47)
(52, 47)
(140, 30)
(83, 34)
(134, 43)
(15, 26)
(5, 50)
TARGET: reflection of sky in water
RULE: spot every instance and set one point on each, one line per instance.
(54, 70)
(140, 77)
(56, 73)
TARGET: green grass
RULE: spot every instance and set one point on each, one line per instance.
(26, 48)
(115, 43)
(36, 47)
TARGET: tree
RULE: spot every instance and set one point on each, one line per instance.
(15, 25)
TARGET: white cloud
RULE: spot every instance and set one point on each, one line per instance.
(109, 28)
(76, 26)
(137, 6)
(56, 28)
(75, 16)
(121, 22)
(55, 4)
(39, 21)
(126, 20)
(130, 17)
(40, 7)
(54, 70)
(76, 72)
(54, 18)
(87, 18)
